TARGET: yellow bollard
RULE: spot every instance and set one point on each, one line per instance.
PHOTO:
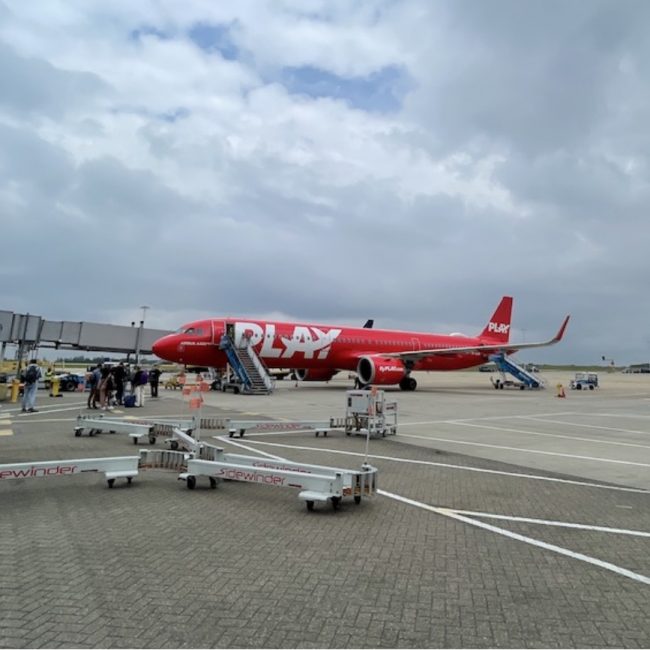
(54, 387)
(15, 389)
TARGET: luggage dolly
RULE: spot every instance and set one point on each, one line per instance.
(113, 468)
(274, 426)
(316, 482)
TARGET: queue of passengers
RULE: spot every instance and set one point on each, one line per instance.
(109, 385)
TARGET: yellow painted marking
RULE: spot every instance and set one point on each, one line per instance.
(6, 432)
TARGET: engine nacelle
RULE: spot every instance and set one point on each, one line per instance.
(322, 374)
(380, 370)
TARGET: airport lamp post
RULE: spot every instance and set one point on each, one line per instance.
(139, 334)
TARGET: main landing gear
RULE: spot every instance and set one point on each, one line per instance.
(408, 383)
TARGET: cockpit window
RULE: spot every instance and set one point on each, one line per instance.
(192, 331)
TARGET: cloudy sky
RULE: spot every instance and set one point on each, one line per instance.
(331, 160)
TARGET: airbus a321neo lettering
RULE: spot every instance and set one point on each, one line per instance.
(318, 352)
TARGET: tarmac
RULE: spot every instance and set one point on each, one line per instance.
(505, 519)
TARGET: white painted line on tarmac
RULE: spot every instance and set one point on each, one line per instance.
(550, 522)
(524, 450)
(230, 441)
(491, 417)
(534, 477)
(521, 538)
(546, 435)
(42, 412)
(638, 416)
(586, 426)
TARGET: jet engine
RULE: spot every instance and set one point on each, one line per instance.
(321, 374)
(380, 370)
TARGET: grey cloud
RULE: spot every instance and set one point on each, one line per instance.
(32, 85)
(532, 76)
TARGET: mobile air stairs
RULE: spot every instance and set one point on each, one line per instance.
(249, 368)
(525, 378)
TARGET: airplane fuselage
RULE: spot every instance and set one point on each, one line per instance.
(307, 345)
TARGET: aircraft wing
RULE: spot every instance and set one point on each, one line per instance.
(507, 348)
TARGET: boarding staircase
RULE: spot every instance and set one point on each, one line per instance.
(507, 366)
(249, 368)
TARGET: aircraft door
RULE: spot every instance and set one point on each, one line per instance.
(415, 343)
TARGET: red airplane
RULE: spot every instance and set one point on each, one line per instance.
(318, 352)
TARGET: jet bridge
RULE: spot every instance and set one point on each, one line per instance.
(507, 366)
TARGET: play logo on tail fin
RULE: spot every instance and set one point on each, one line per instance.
(498, 328)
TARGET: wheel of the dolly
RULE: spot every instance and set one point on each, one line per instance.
(336, 501)
(357, 499)
(191, 482)
(174, 445)
(135, 441)
(317, 433)
(91, 432)
(231, 434)
(213, 482)
(310, 505)
(152, 440)
(241, 433)
(111, 482)
(591, 387)
(77, 433)
(129, 480)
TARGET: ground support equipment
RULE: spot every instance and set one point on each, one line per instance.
(315, 482)
(241, 427)
(368, 413)
(95, 425)
(524, 378)
(116, 467)
(150, 429)
(584, 381)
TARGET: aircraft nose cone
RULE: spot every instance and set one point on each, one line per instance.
(161, 348)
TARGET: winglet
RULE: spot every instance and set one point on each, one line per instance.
(560, 334)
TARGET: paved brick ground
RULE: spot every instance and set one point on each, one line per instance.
(157, 565)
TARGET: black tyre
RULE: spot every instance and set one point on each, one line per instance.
(191, 482)
(152, 440)
(77, 433)
(213, 482)
(310, 505)
(413, 384)
(357, 499)
(111, 482)
(173, 445)
(336, 502)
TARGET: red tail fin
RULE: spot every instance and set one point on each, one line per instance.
(498, 328)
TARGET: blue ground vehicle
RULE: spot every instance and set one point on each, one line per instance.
(584, 381)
